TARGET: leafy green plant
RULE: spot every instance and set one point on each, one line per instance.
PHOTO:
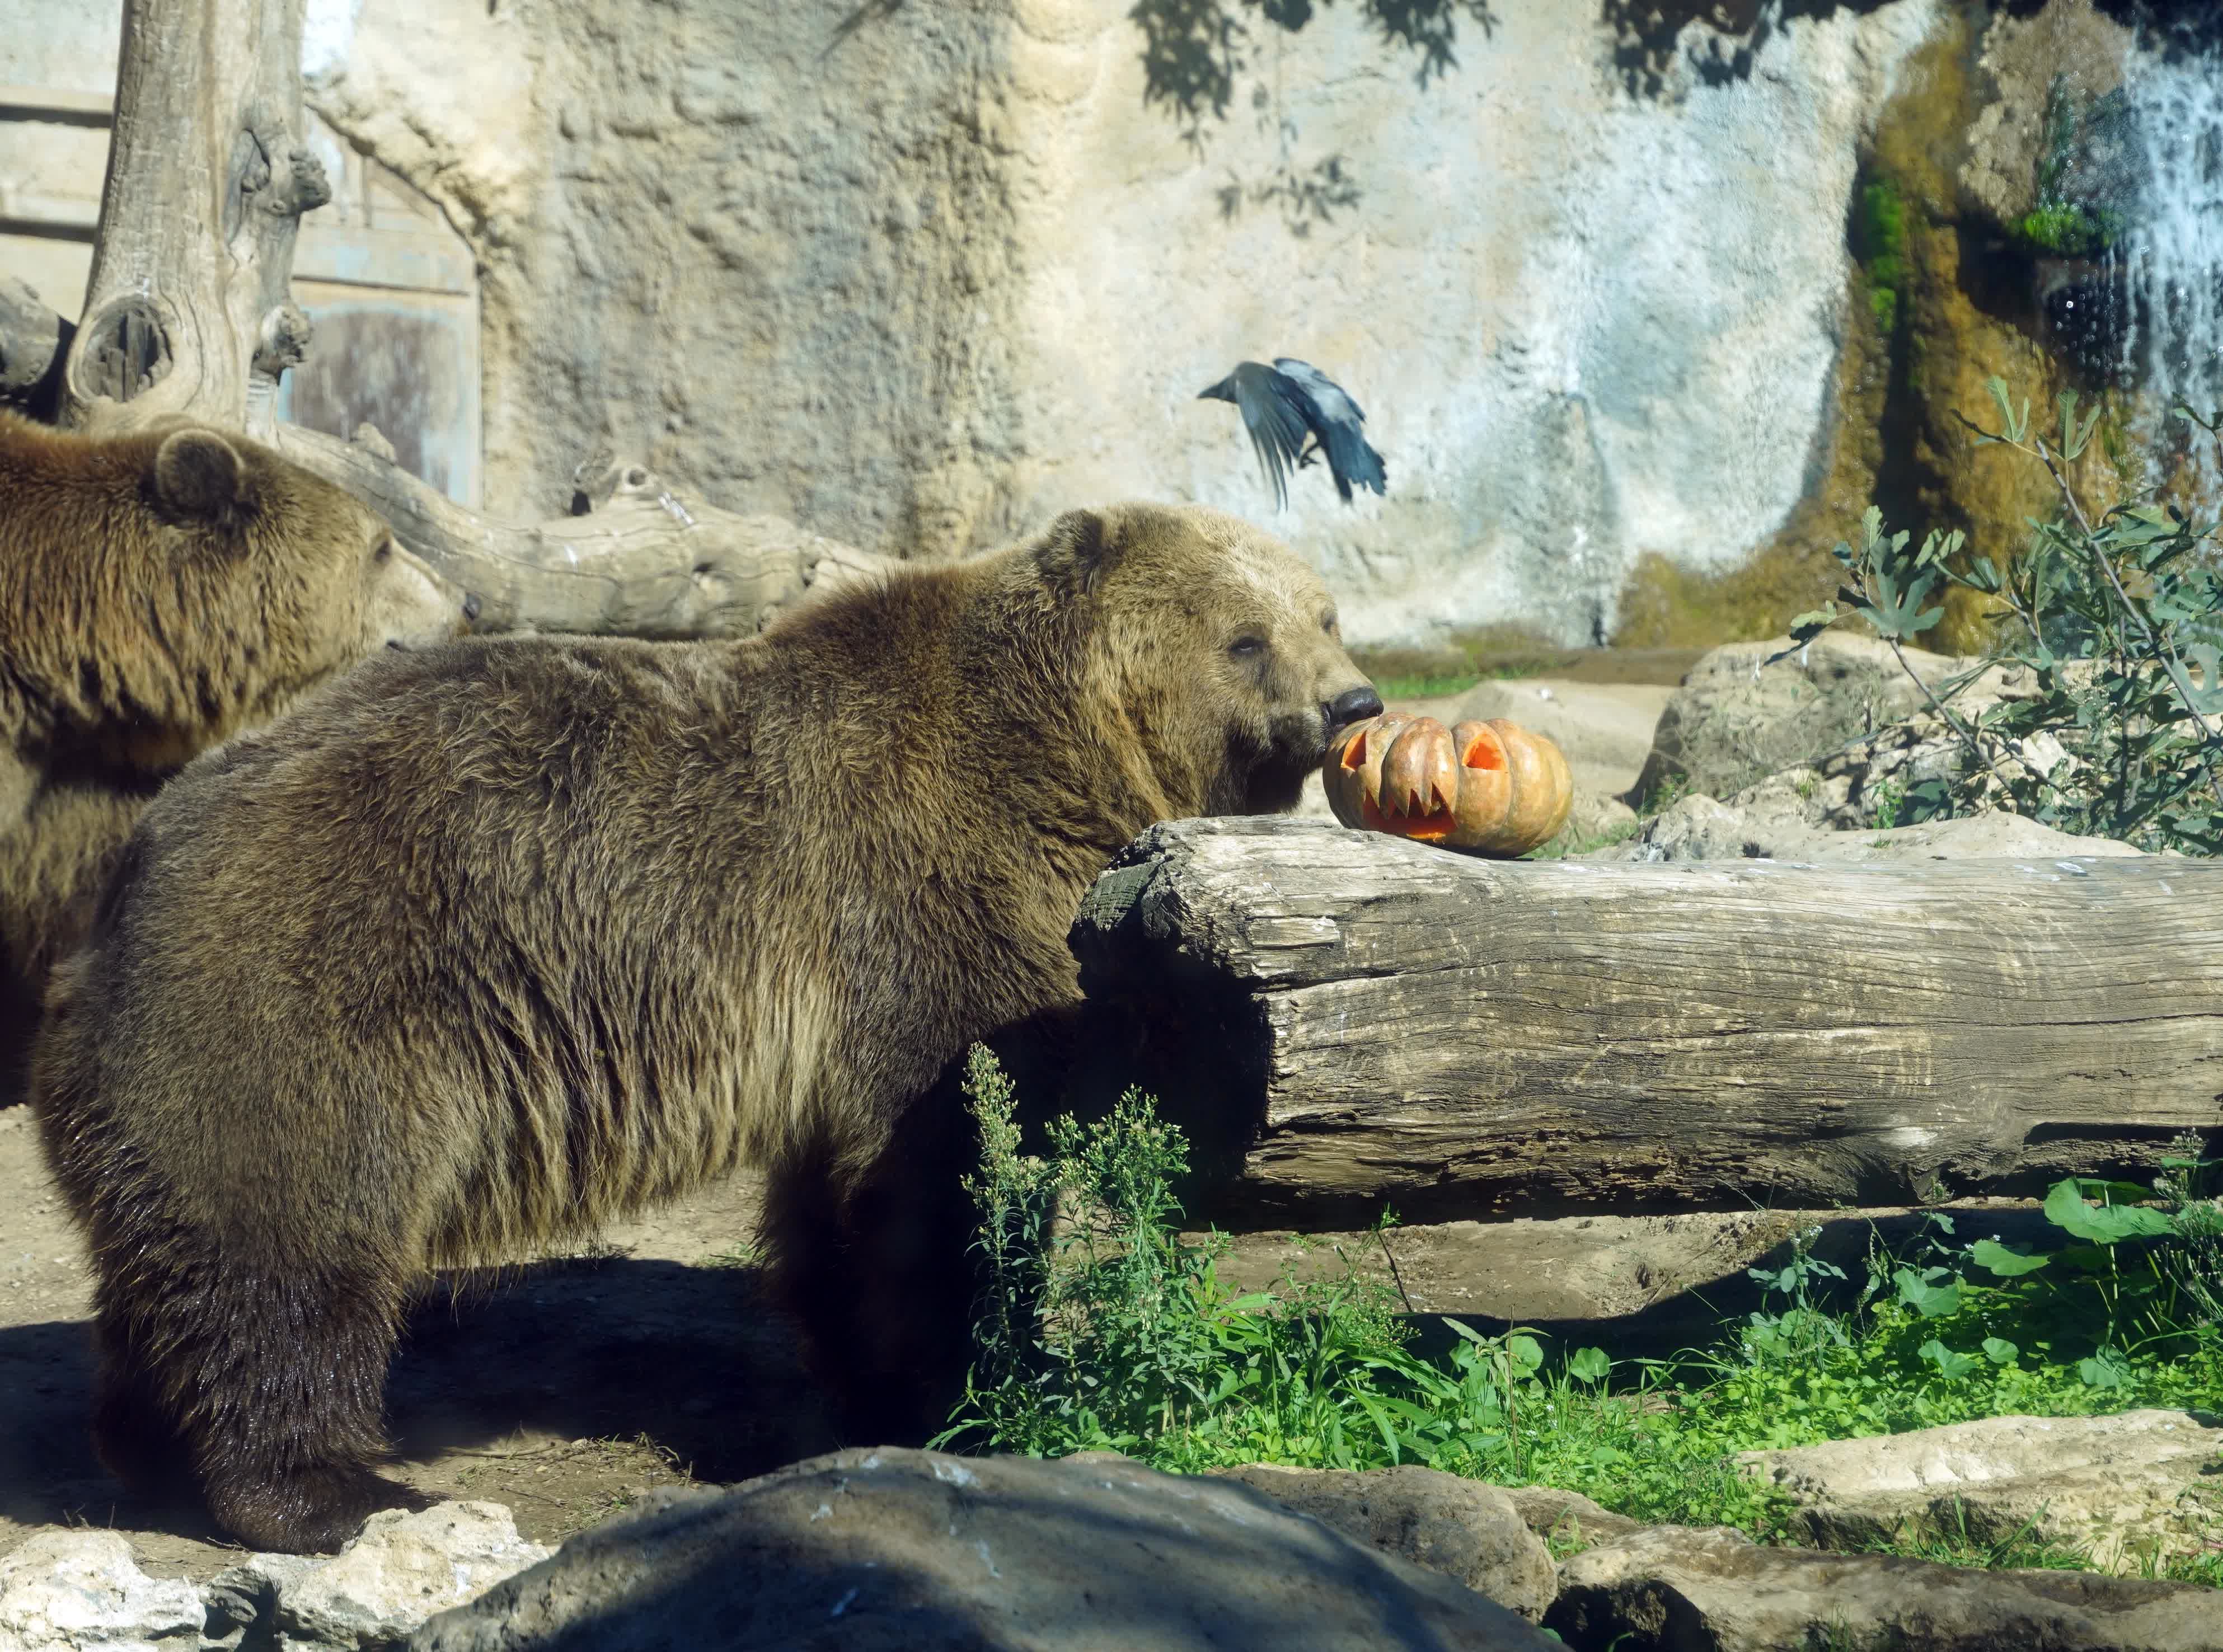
(2117, 615)
(1103, 1327)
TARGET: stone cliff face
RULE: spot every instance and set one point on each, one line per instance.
(920, 275)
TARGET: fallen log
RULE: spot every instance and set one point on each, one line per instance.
(1342, 1020)
(638, 557)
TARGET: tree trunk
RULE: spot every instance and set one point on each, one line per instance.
(190, 313)
(190, 307)
(1346, 1019)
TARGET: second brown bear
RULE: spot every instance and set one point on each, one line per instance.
(158, 592)
(491, 944)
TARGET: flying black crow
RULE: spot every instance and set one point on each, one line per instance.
(1284, 405)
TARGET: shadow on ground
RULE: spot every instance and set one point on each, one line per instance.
(564, 1389)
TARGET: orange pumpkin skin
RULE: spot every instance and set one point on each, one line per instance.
(1491, 788)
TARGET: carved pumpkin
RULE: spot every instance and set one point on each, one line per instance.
(1490, 787)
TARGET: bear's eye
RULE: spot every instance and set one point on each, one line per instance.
(1327, 622)
(385, 551)
(1247, 648)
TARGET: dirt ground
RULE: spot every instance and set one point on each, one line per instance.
(563, 1388)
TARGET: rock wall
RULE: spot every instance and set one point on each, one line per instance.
(920, 275)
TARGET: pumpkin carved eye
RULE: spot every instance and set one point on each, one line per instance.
(1493, 787)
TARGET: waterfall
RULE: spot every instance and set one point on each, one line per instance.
(2172, 261)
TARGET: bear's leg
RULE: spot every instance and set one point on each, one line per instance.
(875, 1263)
(269, 1382)
(133, 1433)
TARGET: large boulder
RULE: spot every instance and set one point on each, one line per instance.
(1768, 824)
(2126, 1490)
(1749, 709)
(1684, 1589)
(1460, 1528)
(77, 1591)
(1569, 1515)
(400, 1570)
(888, 1548)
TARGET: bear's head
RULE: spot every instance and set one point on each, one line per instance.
(260, 580)
(1220, 643)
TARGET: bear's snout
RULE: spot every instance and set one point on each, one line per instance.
(1354, 705)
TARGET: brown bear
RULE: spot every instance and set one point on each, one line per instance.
(489, 944)
(158, 592)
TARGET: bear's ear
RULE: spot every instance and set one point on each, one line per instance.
(1078, 551)
(200, 476)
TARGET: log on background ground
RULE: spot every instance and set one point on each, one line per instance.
(1344, 1019)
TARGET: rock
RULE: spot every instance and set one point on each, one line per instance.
(62, 1590)
(1460, 1528)
(1838, 734)
(887, 1548)
(2126, 1490)
(1763, 826)
(402, 1568)
(1692, 1589)
(1569, 1515)
(2022, 57)
(1672, 1275)
(1736, 719)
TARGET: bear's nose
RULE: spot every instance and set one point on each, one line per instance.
(472, 606)
(1354, 705)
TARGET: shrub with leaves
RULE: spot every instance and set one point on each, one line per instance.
(2117, 615)
(1102, 1327)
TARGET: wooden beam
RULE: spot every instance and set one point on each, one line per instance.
(1378, 1021)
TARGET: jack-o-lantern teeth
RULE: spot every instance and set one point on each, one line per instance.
(1419, 775)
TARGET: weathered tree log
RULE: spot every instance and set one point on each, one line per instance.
(640, 559)
(1369, 1020)
(34, 342)
(190, 307)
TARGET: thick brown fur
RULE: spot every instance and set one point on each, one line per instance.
(490, 943)
(158, 592)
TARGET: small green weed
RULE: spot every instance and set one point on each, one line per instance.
(1102, 1328)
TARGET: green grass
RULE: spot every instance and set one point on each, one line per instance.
(1103, 1329)
(1427, 686)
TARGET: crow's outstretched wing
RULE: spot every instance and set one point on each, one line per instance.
(1335, 419)
(1274, 412)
